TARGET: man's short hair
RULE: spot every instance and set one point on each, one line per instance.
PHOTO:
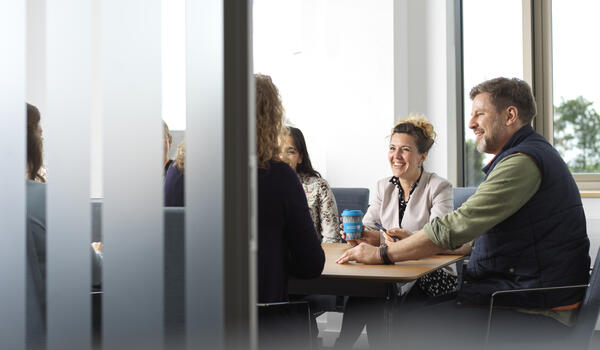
(506, 92)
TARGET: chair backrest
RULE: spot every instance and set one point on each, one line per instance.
(174, 272)
(461, 194)
(351, 198)
(588, 313)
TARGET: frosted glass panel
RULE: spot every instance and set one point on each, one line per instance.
(68, 161)
(204, 174)
(132, 215)
(12, 170)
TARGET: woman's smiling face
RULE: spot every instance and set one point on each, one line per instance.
(404, 156)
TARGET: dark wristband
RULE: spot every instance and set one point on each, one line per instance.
(384, 256)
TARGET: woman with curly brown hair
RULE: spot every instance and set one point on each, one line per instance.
(288, 244)
(287, 241)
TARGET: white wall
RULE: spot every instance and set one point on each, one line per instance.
(592, 215)
(333, 64)
(425, 74)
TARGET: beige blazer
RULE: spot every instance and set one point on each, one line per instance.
(432, 198)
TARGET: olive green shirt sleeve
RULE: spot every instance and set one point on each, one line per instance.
(513, 181)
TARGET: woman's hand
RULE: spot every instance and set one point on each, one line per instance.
(362, 253)
(368, 236)
(397, 233)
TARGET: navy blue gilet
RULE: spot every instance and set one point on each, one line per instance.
(543, 244)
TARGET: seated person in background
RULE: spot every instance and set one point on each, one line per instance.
(288, 244)
(36, 232)
(167, 143)
(321, 202)
(174, 184)
(529, 227)
(403, 204)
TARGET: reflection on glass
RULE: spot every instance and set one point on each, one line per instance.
(575, 75)
(489, 51)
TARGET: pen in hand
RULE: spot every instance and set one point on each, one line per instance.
(385, 232)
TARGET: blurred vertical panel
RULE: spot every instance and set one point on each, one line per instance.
(204, 179)
(67, 135)
(12, 170)
(132, 216)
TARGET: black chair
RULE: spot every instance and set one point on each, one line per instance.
(284, 325)
(174, 276)
(581, 335)
(351, 198)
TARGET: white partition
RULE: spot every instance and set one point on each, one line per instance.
(132, 215)
(67, 135)
(204, 181)
(12, 170)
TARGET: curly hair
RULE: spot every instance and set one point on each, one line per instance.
(167, 134)
(420, 128)
(179, 161)
(270, 131)
(35, 148)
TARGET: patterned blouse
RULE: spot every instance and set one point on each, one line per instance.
(323, 208)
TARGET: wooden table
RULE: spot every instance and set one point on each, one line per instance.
(356, 279)
(353, 279)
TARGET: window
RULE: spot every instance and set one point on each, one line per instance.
(564, 67)
(490, 50)
(576, 97)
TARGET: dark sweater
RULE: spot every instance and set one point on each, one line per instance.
(174, 187)
(288, 244)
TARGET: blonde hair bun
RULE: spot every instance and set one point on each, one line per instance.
(420, 121)
(412, 125)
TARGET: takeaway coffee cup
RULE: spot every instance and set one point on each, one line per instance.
(352, 223)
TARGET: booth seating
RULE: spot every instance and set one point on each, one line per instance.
(174, 274)
(461, 194)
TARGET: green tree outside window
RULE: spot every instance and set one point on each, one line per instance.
(577, 135)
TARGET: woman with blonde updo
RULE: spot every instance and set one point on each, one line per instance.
(403, 204)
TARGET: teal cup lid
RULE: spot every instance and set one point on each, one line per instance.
(348, 212)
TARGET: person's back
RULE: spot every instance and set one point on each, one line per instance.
(174, 184)
(174, 187)
(287, 241)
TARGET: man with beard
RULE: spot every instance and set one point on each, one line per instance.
(529, 231)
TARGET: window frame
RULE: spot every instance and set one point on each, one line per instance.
(537, 15)
(537, 71)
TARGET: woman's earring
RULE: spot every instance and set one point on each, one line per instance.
(419, 166)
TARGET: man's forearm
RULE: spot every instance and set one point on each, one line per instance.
(416, 246)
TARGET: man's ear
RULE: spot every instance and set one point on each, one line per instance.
(512, 115)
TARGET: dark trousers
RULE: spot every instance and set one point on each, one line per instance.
(421, 322)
